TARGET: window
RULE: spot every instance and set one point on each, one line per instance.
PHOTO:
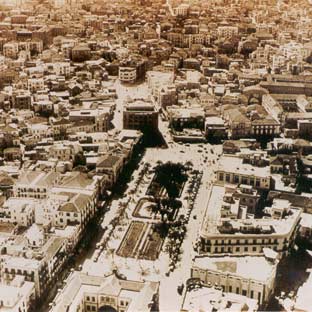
(251, 294)
(227, 178)
(246, 248)
(238, 249)
(230, 288)
(254, 248)
(244, 292)
(237, 290)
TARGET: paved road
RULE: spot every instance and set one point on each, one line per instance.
(203, 157)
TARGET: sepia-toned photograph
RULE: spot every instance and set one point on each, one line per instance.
(155, 155)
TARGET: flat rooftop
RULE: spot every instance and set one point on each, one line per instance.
(214, 226)
(209, 299)
(233, 164)
(240, 266)
(139, 105)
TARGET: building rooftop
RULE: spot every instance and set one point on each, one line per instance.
(78, 284)
(239, 266)
(214, 226)
(209, 299)
(233, 164)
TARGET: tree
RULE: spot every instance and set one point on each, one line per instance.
(79, 160)
(171, 176)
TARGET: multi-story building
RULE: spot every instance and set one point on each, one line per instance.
(33, 270)
(127, 74)
(224, 236)
(101, 117)
(233, 170)
(238, 124)
(64, 152)
(21, 99)
(238, 275)
(157, 80)
(17, 296)
(227, 31)
(35, 84)
(10, 49)
(84, 292)
(182, 10)
(140, 115)
(35, 184)
(110, 166)
(186, 117)
(19, 211)
(200, 297)
(265, 127)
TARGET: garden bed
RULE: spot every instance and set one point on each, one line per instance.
(152, 245)
(132, 240)
(143, 208)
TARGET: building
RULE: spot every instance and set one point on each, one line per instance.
(233, 170)
(10, 49)
(17, 296)
(127, 74)
(110, 166)
(240, 237)
(239, 125)
(182, 10)
(140, 115)
(21, 99)
(265, 127)
(33, 270)
(35, 184)
(215, 128)
(85, 292)
(210, 298)
(100, 117)
(253, 277)
(35, 84)
(81, 53)
(19, 211)
(186, 117)
(227, 31)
